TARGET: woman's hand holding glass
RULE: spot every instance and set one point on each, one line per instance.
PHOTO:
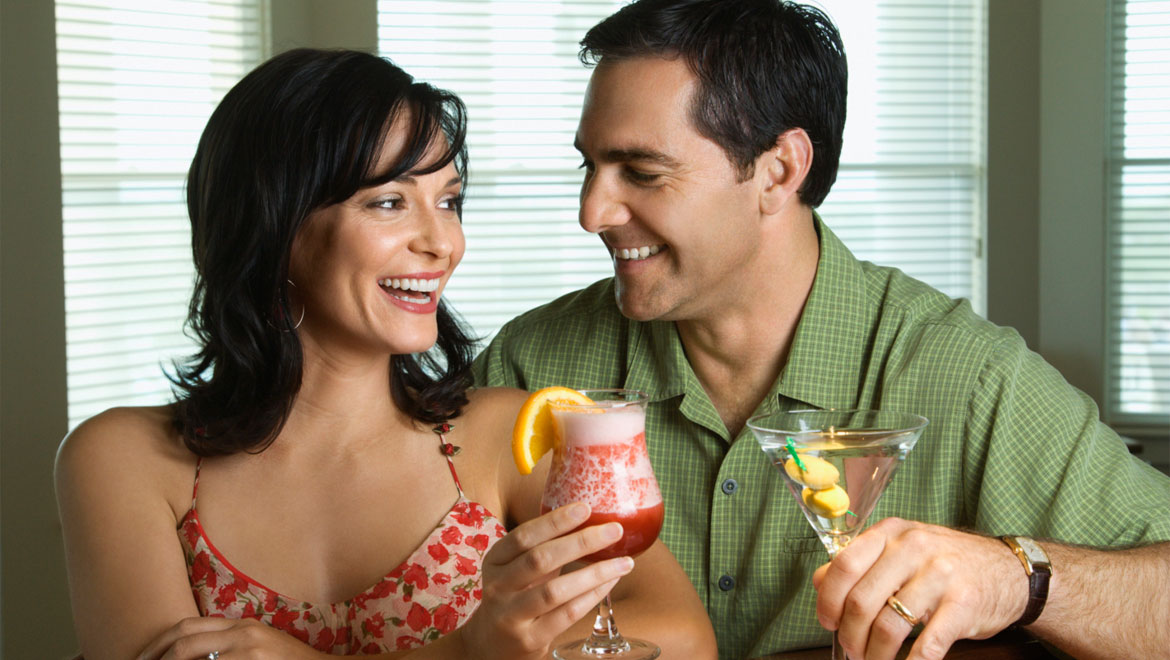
(527, 601)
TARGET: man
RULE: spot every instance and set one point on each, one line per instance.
(710, 131)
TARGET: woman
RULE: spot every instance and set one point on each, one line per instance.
(311, 447)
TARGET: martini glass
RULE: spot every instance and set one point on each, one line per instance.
(601, 459)
(837, 463)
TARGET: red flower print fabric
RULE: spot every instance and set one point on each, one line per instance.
(430, 594)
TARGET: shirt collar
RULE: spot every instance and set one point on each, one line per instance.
(655, 360)
(825, 359)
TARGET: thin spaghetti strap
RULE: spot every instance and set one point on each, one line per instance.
(448, 450)
(195, 488)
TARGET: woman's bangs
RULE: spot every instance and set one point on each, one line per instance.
(438, 119)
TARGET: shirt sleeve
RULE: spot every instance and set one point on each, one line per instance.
(1046, 466)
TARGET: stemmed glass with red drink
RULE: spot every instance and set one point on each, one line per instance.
(601, 459)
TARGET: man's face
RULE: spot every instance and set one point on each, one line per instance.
(682, 231)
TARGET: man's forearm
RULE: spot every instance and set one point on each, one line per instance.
(1108, 603)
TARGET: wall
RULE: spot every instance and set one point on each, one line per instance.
(33, 605)
(324, 24)
(1072, 189)
(1013, 167)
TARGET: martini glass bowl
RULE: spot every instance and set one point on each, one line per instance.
(837, 464)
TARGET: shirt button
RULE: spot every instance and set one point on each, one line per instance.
(729, 486)
(726, 583)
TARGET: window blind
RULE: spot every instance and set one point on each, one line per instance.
(137, 81)
(1138, 259)
(909, 194)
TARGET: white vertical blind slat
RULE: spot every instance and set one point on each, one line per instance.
(137, 80)
(1139, 216)
(910, 190)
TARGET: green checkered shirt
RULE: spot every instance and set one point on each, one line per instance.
(1011, 447)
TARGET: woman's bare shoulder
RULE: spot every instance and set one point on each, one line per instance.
(502, 400)
(136, 447)
(493, 409)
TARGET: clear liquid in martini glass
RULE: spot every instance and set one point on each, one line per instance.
(837, 464)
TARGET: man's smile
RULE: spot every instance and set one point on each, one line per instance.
(638, 253)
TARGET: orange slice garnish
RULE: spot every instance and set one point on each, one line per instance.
(534, 433)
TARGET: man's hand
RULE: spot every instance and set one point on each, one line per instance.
(960, 585)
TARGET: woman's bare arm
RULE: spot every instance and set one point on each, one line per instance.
(127, 575)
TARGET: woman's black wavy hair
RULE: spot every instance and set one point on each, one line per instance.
(302, 131)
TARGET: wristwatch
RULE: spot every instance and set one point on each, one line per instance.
(1039, 571)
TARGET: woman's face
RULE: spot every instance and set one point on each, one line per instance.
(370, 270)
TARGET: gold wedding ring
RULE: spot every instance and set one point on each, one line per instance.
(898, 607)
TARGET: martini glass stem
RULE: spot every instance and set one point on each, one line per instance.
(838, 650)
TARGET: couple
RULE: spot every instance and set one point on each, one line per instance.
(312, 442)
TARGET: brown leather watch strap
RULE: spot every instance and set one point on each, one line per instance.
(1038, 576)
(1037, 597)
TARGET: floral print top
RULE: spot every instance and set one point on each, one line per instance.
(430, 594)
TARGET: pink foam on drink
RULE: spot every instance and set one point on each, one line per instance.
(603, 462)
(613, 426)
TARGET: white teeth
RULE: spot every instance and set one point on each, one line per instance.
(410, 284)
(418, 301)
(636, 254)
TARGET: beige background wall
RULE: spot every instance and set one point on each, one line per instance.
(1072, 228)
(1045, 245)
(33, 610)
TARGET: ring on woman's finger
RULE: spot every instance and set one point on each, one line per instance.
(214, 655)
(898, 607)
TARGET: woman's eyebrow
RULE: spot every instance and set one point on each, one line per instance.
(412, 179)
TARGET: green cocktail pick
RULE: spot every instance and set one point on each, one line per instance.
(792, 450)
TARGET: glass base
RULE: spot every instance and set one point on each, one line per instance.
(633, 649)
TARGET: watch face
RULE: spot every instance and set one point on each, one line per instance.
(1034, 552)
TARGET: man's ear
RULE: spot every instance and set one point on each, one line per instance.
(784, 168)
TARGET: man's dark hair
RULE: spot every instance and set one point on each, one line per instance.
(763, 66)
(301, 132)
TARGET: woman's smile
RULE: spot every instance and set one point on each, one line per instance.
(414, 292)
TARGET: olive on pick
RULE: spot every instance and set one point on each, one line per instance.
(818, 474)
(832, 502)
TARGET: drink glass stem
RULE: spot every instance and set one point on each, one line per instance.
(838, 650)
(605, 640)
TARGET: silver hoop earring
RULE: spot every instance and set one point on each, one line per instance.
(300, 320)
